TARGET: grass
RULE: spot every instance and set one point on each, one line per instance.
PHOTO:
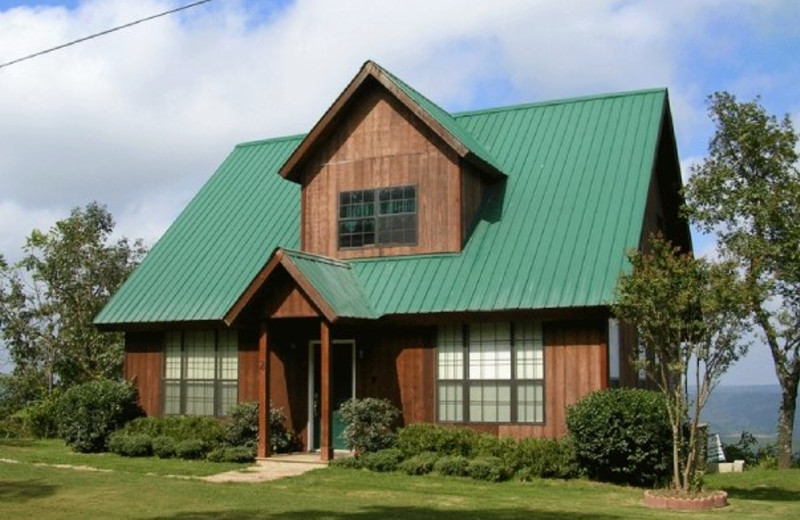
(128, 491)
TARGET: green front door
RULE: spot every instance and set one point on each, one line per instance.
(343, 360)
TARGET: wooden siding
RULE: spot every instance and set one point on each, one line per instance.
(628, 375)
(471, 197)
(248, 365)
(398, 364)
(143, 365)
(286, 300)
(379, 143)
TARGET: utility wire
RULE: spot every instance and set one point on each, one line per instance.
(103, 33)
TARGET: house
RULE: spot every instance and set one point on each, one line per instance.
(460, 265)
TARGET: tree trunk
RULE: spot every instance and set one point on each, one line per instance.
(786, 423)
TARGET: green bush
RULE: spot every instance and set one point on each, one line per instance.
(191, 449)
(39, 419)
(419, 438)
(87, 414)
(13, 427)
(164, 447)
(281, 438)
(242, 427)
(368, 424)
(622, 436)
(544, 458)
(452, 465)
(346, 463)
(138, 445)
(383, 461)
(490, 469)
(420, 464)
(231, 454)
(180, 428)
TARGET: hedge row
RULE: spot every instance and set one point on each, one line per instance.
(429, 448)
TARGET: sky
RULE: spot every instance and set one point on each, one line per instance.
(139, 119)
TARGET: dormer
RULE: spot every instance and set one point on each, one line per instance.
(386, 172)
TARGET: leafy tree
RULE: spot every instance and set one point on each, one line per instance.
(687, 313)
(747, 191)
(49, 298)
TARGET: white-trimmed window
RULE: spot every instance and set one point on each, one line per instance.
(200, 372)
(491, 373)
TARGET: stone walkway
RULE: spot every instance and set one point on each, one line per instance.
(273, 468)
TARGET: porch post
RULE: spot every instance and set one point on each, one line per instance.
(326, 383)
(263, 394)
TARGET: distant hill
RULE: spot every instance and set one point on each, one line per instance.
(733, 409)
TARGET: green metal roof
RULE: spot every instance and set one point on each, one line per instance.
(336, 282)
(574, 201)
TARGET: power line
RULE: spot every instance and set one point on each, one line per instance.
(103, 33)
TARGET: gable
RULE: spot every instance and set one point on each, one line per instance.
(378, 143)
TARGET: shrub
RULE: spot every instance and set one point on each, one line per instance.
(368, 424)
(180, 428)
(452, 465)
(39, 419)
(383, 461)
(130, 445)
(420, 438)
(544, 458)
(490, 469)
(231, 454)
(13, 427)
(504, 448)
(88, 413)
(164, 447)
(242, 427)
(281, 438)
(346, 462)
(420, 464)
(191, 449)
(622, 436)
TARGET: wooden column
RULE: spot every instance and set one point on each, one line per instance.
(263, 392)
(326, 385)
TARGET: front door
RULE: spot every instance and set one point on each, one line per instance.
(343, 359)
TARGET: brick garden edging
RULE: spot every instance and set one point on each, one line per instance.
(713, 500)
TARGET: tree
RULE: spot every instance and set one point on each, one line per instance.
(687, 312)
(49, 298)
(747, 191)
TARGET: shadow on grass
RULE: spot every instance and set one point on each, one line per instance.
(768, 493)
(17, 443)
(23, 491)
(385, 512)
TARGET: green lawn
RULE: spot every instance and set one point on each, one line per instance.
(139, 488)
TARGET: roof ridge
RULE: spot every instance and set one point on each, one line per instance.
(560, 101)
(268, 140)
(400, 258)
(317, 258)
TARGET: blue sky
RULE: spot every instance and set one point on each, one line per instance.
(140, 118)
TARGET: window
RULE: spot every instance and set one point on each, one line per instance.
(386, 216)
(200, 372)
(490, 372)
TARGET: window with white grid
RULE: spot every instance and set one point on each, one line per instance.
(490, 373)
(200, 372)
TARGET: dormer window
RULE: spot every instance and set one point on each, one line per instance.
(383, 216)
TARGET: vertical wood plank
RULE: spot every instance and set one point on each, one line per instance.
(326, 383)
(263, 394)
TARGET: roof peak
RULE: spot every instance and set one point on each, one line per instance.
(559, 101)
